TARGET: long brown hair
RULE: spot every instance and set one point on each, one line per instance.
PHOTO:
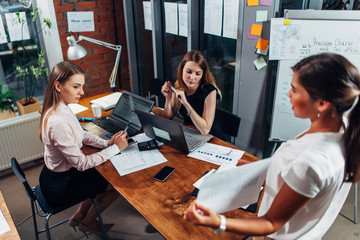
(197, 57)
(333, 78)
(60, 73)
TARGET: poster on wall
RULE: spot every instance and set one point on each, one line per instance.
(147, 15)
(171, 18)
(81, 21)
(213, 17)
(183, 19)
(3, 38)
(231, 12)
(17, 31)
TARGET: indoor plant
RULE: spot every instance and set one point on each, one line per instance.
(7, 101)
(30, 72)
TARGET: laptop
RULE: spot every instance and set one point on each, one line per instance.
(171, 133)
(122, 113)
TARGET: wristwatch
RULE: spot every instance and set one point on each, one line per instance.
(222, 226)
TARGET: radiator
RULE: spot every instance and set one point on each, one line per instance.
(19, 138)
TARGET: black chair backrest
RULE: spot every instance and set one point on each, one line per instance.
(21, 175)
(228, 122)
(155, 85)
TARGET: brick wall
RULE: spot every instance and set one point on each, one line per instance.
(99, 61)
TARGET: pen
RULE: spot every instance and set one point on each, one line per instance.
(172, 88)
(85, 119)
(127, 126)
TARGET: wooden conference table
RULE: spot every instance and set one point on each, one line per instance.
(163, 203)
(13, 233)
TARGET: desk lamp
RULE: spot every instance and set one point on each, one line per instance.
(76, 51)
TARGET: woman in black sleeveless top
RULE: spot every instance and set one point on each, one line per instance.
(195, 93)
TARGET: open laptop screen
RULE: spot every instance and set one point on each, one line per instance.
(126, 105)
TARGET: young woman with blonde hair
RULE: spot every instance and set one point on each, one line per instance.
(68, 173)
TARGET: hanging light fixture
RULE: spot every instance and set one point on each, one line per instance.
(25, 3)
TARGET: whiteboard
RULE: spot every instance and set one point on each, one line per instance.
(305, 38)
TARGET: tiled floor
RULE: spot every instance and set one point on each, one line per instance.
(129, 224)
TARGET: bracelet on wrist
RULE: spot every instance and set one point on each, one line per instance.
(222, 226)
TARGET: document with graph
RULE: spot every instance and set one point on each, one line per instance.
(132, 160)
(216, 154)
(233, 188)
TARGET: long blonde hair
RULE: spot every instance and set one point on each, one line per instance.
(197, 57)
(60, 73)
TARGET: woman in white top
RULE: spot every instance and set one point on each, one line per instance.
(308, 175)
(68, 173)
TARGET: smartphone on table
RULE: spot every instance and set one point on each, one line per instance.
(164, 173)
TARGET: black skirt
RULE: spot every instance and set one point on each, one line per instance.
(73, 185)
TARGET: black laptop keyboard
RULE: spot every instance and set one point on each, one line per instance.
(112, 127)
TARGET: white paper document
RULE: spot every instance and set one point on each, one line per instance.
(183, 19)
(171, 18)
(81, 21)
(4, 226)
(234, 188)
(285, 40)
(76, 108)
(14, 27)
(108, 101)
(217, 154)
(132, 160)
(147, 15)
(223, 167)
(3, 38)
(231, 12)
(213, 17)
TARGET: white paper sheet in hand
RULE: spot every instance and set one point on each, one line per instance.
(232, 189)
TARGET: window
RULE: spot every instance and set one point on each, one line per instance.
(16, 52)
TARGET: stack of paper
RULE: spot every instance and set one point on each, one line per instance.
(107, 102)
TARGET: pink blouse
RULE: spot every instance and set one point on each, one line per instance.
(63, 139)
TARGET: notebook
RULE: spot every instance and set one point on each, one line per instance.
(122, 113)
(171, 133)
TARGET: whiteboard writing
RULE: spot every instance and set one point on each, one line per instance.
(303, 38)
(293, 42)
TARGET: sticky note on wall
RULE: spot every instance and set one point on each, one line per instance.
(256, 29)
(253, 3)
(260, 63)
(262, 44)
(261, 16)
(266, 2)
(249, 36)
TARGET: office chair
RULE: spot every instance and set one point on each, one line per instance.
(154, 92)
(228, 125)
(40, 202)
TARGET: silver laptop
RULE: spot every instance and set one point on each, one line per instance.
(122, 113)
(171, 133)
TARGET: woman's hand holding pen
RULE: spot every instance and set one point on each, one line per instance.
(166, 90)
(181, 96)
(120, 139)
